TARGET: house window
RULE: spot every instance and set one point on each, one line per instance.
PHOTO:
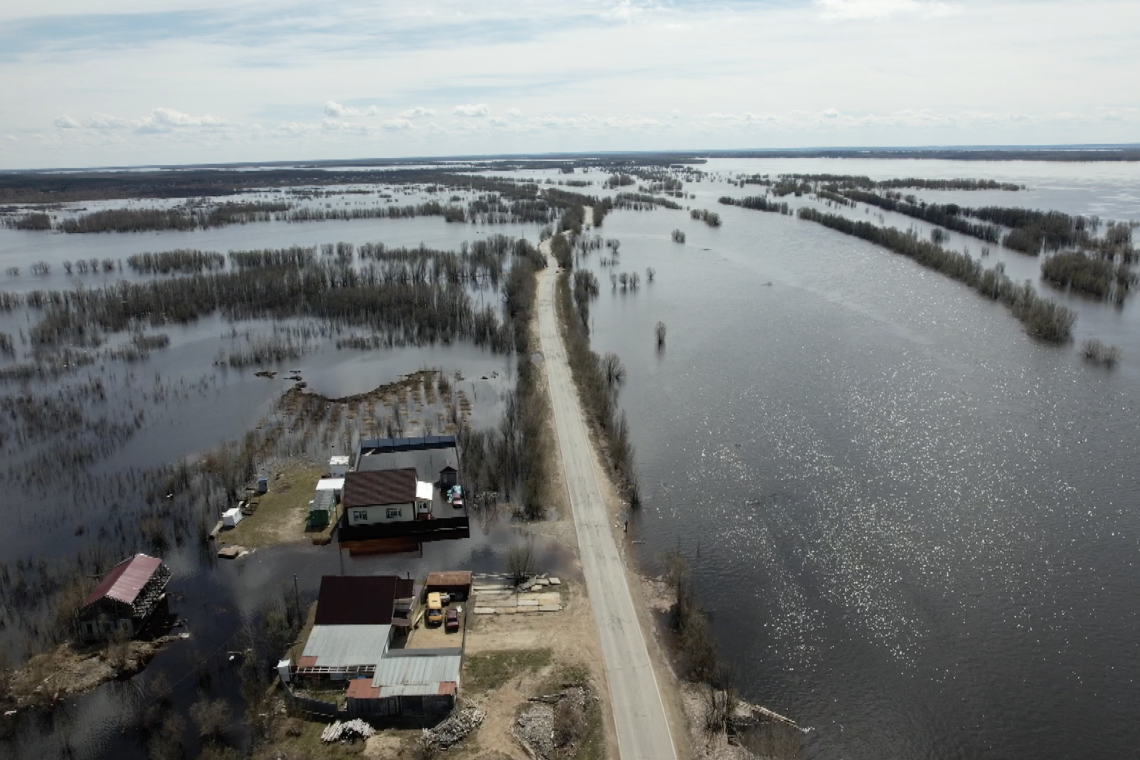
(360, 515)
(394, 512)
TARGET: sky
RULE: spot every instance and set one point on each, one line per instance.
(133, 82)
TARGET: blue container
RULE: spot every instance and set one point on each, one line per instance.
(262, 485)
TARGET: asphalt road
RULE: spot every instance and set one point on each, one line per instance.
(639, 713)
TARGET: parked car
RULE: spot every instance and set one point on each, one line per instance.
(452, 620)
(434, 609)
(455, 496)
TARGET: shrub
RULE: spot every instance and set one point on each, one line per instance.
(1097, 352)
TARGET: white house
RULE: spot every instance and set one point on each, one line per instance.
(386, 496)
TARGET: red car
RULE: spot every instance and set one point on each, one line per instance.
(452, 620)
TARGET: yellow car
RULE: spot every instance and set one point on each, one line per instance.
(434, 609)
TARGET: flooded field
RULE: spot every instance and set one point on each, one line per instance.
(912, 525)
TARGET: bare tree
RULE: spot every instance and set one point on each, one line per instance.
(659, 331)
(613, 371)
(521, 561)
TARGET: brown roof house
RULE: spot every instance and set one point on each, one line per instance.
(124, 599)
(386, 496)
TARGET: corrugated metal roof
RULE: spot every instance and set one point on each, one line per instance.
(412, 690)
(337, 646)
(323, 500)
(363, 489)
(126, 580)
(416, 671)
(450, 578)
(362, 688)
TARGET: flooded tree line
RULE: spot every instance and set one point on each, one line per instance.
(417, 295)
(598, 378)
(757, 203)
(1043, 318)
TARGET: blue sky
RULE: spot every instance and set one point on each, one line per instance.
(123, 82)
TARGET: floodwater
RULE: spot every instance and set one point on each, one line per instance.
(915, 529)
(191, 405)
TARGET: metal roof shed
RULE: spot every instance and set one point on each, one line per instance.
(401, 673)
(341, 649)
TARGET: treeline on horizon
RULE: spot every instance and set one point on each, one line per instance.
(525, 203)
(41, 187)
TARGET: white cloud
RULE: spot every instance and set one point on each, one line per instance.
(104, 121)
(339, 111)
(417, 113)
(830, 113)
(168, 120)
(473, 109)
(676, 114)
(66, 122)
(627, 10)
(593, 123)
(397, 125)
(514, 112)
(877, 10)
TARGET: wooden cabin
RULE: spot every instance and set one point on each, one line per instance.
(124, 599)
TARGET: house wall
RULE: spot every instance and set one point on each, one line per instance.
(102, 625)
(374, 514)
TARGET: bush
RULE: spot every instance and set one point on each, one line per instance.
(711, 218)
(1095, 277)
(1097, 352)
(521, 561)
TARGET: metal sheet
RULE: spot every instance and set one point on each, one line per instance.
(416, 671)
(337, 646)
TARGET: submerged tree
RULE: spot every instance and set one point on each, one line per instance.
(659, 331)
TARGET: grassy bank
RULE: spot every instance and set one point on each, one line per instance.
(282, 513)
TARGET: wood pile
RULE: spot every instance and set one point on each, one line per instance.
(350, 729)
(456, 728)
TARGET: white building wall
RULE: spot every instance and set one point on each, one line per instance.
(388, 513)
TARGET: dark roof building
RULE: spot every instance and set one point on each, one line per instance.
(429, 463)
(380, 487)
(361, 599)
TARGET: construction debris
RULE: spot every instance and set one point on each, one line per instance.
(351, 729)
(535, 729)
(456, 728)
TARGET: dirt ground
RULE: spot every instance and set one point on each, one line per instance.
(69, 669)
(573, 640)
(437, 637)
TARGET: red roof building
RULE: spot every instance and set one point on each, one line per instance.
(124, 599)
